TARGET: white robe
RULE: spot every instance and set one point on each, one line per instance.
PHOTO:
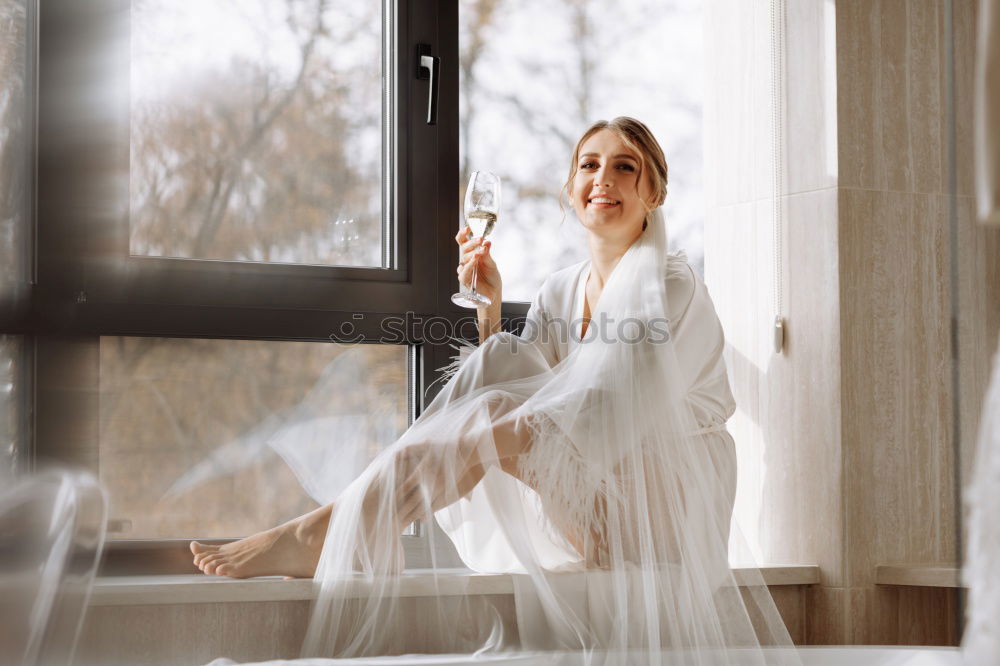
(619, 531)
(551, 332)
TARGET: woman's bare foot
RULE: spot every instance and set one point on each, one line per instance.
(291, 550)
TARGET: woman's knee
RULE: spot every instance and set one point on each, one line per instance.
(499, 403)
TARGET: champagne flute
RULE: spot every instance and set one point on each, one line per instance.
(482, 207)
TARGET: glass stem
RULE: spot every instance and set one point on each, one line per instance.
(475, 273)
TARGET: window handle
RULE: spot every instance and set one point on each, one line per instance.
(428, 67)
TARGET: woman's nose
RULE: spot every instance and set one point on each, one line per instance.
(604, 178)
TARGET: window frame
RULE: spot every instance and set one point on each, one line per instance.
(83, 153)
(84, 285)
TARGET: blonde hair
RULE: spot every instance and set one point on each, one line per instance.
(634, 134)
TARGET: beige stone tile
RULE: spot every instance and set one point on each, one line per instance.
(785, 604)
(787, 434)
(896, 369)
(857, 52)
(810, 122)
(965, 17)
(826, 616)
(800, 393)
(773, 502)
(790, 601)
(737, 110)
(890, 103)
(192, 633)
(258, 631)
(927, 136)
(873, 615)
(892, 152)
(927, 616)
(457, 624)
(902, 615)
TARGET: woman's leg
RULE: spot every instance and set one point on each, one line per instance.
(418, 479)
(410, 485)
(290, 549)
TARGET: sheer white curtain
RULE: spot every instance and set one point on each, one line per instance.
(987, 113)
(981, 642)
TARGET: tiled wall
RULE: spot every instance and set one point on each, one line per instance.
(894, 201)
(844, 440)
(197, 633)
(846, 446)
(788, 422)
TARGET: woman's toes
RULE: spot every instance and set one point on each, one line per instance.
(198, 548)
(201, 551)
(209, 564)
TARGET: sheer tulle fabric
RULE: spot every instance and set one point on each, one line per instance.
(981, 644)
(591, 482)
(53, 526)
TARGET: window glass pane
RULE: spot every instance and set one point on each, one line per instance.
(190, 429)
(534, 76)
(256, 130)
(14, 143)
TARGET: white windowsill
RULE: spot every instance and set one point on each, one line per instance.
(197, 588)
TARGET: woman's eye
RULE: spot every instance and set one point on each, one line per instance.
(626, 167)
(588, 165)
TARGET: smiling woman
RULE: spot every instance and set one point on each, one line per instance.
(598, 466)
(617, 178)
(610, 171)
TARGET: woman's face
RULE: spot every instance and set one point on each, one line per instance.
(604, 193)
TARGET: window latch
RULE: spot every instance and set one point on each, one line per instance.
(428, 68)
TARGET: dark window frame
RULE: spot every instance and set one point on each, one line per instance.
(84, 284)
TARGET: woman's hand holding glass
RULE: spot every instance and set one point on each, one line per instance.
(476, 253)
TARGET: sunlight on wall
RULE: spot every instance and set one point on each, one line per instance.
(745, 544)
(829, 83)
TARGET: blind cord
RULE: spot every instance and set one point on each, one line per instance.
(777, 10)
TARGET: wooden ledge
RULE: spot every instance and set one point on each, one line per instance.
(780, 574)
(198, 588)
(919, 575)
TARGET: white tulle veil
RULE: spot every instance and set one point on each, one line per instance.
(590, 483)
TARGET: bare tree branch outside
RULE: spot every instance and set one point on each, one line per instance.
(256, 136)
(535, 75)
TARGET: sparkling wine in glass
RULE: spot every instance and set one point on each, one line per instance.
(482, 207)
